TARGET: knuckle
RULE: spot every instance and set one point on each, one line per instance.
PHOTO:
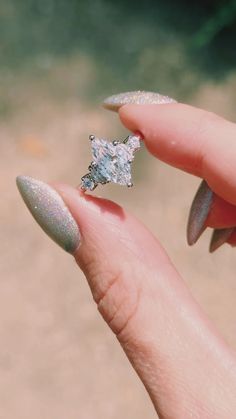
(114, 289)
(99, 278)
(119, 303)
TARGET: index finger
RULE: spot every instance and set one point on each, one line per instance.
(196, 141)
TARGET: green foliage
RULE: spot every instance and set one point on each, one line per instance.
(223, 17)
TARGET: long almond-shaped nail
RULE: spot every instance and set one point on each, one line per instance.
(198, 212)
(219, 237)
(139, 97)
(50, 211)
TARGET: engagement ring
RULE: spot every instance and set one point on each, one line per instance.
(111, 162)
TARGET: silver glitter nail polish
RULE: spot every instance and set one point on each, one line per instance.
(219, 237)
(139, 97)
(50, 211)
(199, 211)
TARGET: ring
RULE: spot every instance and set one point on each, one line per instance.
(112, 161)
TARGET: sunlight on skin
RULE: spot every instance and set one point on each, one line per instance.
(186, 367)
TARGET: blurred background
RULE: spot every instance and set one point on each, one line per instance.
(58, 60)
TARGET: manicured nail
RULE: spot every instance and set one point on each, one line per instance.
(198, 212)
(50, 212)
(139, 97)
(219, 237)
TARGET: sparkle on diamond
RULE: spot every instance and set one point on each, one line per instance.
(111, 163)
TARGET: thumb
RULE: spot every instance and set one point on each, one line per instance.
(184, 365)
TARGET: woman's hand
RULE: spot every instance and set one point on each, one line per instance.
(200, 143)
(186, 367)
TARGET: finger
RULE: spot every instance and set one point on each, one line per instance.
(222, 214)
(191, 139)
(140, 302)
(222, 219)
(208, 209)
(232, 239)
(182, 362)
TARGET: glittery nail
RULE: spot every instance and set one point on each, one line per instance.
(50, 212)
(139, 97)
(198, 212)
(219, 237)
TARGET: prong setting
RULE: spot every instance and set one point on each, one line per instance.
(92, 165)
(111, 162)
(88, 183)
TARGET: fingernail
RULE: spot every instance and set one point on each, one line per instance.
(139, 97)
(219, 237)
(198, 212)
(50, 212)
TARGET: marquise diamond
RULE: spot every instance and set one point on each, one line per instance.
(111, 162)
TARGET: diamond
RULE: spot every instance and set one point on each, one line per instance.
(88, 183)
(111, 162)
(133, 142)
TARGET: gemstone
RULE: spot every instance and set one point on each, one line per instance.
(88, 183)
(133, 142)
(111, 162)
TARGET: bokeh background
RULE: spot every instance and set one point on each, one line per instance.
(58, 60)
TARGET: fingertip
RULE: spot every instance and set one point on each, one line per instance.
(129, 116)
(168, 132)
(77, 198)
(135, 116)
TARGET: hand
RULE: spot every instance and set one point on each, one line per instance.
(186, 367)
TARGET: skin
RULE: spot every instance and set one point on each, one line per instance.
(184, 364)
(196, 141)
(186, 367)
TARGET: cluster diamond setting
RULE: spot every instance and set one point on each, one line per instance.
(111, 162)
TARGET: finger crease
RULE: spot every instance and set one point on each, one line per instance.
(103, 295)
(129, 318)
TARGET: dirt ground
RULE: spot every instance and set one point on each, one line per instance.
(58, 360)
